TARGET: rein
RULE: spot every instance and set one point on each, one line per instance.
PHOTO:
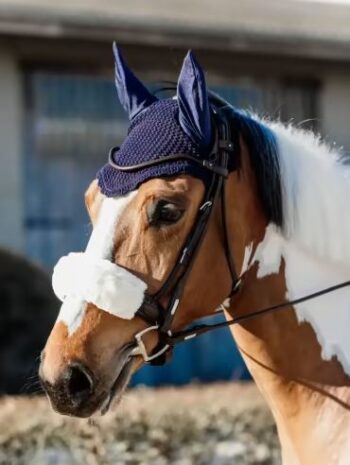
(160, 319)
(198, 330)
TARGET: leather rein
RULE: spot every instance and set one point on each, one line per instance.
(152, 312)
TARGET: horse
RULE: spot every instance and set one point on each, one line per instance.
(205, 207)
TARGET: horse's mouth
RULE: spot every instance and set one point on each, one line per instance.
(119, 385)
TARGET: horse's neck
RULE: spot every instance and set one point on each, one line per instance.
(303, 274)
(300, 357)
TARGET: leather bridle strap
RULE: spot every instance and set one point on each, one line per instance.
(235, 279)
(175, 283)
(207, 164)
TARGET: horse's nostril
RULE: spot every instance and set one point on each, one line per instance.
(79, 383)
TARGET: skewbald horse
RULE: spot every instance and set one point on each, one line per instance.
(287, 224)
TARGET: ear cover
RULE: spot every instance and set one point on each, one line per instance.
(194, 108)
(133, 95)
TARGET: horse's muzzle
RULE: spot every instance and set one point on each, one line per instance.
(74, 393)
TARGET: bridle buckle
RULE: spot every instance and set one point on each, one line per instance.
(140, 348)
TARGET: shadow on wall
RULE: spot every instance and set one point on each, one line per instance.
(28, 311)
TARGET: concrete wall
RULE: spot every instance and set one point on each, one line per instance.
(335, 110)
(11, 199)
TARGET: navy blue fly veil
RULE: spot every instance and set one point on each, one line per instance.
(162, 129)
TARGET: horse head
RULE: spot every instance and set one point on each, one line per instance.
(142, 220)
(203, 202)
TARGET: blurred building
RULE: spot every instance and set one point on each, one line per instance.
(59, 113)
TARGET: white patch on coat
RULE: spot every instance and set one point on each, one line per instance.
(227, 302)
(91, 277)
(72, 312)
(269, 253)
(248, 250)
(329, 315)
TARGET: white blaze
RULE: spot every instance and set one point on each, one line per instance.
(91, 277)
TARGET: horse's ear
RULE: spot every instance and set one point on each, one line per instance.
(133, 95)
(194, 109)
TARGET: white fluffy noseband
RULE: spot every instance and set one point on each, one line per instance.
(81, 276)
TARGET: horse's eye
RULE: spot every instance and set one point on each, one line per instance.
(163, 213)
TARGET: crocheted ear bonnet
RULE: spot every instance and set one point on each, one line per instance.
(158, 128)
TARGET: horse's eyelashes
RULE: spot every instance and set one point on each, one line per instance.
(163, 213)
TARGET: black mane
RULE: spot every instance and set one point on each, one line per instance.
(263, 150)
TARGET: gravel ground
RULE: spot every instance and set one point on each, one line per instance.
(218, 424)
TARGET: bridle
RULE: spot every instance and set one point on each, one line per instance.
(152, 312)
(160, 319)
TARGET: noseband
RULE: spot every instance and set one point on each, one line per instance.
(160, 319)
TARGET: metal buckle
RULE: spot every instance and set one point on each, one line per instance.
(141, 348)
(206, 205)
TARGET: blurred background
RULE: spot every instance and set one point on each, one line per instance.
(59, 115)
